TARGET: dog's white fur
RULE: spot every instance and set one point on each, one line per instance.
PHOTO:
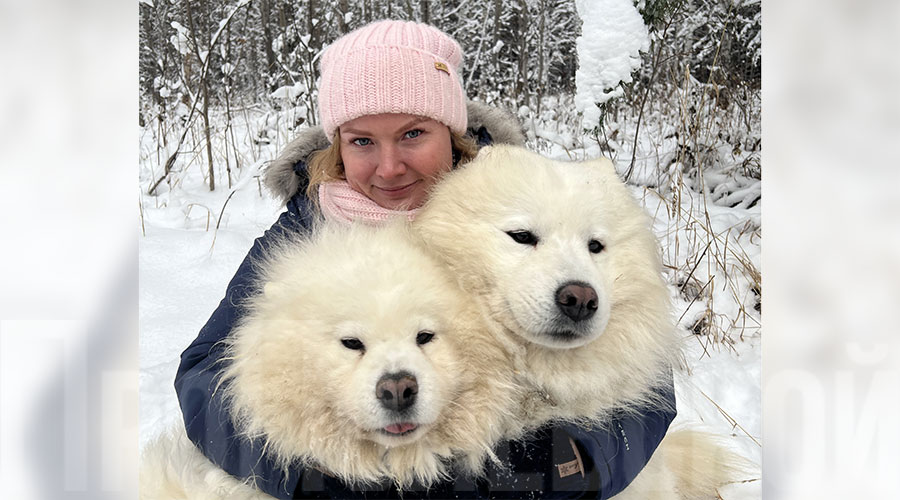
(608, 363)
(173, 468)
(688, 464)
(296, 388)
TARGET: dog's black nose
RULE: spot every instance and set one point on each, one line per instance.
(397, 391)
(578, 301)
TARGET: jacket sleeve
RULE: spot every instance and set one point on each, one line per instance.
(617, 454)
(207, 421)
(569, 461)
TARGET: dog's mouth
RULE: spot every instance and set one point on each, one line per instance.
(399, 429)
(563, 338)
(564, 335)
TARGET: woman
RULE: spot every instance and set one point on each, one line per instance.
(394, 117)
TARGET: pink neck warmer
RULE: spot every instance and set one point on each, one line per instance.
(341, 203)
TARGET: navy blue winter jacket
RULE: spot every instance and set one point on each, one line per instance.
(544, 466)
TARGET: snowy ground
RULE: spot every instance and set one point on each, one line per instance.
(185, 264)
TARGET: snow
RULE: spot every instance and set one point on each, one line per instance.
(180, 40)
(289, 92)
(612, 34)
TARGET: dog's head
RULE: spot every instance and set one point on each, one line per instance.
(349, 342)
(551, 248)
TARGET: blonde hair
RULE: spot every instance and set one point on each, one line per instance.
(325, 165)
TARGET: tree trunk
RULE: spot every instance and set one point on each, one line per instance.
(229, 130)
(495, 54)
(343, 9)
(212, 174)
(282, 23)
(541, 79)
(264, 11)
(426, 12)
(204, 87)
(312, 115)
(522, 49)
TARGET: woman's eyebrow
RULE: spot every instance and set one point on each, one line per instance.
(415, 121)
(403, 128)
(353, 131)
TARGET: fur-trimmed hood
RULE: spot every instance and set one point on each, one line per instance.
(284, 182)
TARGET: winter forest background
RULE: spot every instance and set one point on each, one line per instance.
(209, 68)
(675, 102)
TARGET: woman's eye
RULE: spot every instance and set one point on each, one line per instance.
(424, 337)
(523, 237)
(362, 141)
(353, 344)
(412, 134)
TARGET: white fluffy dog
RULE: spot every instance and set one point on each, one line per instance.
(360, 356)
(562, 258)
(563, 262)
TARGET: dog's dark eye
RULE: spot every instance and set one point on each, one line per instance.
(424, 337)
(523, 237)
(353, 344)
(595, 246)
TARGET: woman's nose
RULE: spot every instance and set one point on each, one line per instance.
(390, 163)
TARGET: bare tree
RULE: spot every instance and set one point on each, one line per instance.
(542, 32)
(426, 11)
(265, 9)
(343, 7)
(204, 88)
(203, 56)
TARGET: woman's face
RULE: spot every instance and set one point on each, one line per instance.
(395, 158)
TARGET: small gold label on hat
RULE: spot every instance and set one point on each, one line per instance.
(441, 66)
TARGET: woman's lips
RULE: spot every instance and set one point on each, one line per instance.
(397, 192)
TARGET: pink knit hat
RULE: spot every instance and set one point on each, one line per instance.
(392, 67)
